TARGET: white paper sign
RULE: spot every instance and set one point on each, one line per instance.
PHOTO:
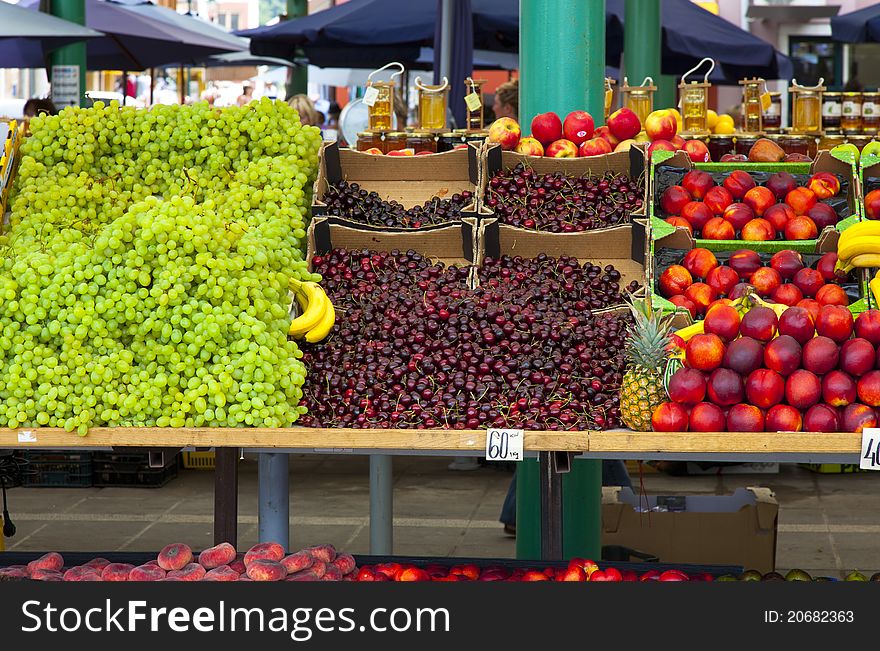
(27, 437)
(870, 459)
(370, 96)
(65, 86)
(504, 445)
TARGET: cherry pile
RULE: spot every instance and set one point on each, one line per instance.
(562, 203)
(414, 347)
(351, 201)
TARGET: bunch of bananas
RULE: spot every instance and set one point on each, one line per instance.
(859, 246)
(317, 313)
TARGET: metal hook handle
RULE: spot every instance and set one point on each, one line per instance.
(421, 86)
(816, 87)
(697, 67)
(385, 67)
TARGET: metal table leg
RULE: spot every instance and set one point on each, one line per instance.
(551, 508)
(274, 498)
(226, 496)
(381, 505)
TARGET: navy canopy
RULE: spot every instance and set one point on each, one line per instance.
(862, 26)
(26, 37)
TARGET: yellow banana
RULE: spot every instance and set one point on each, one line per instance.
(874, 285)
(864, 260)
(867, 227)
(325, 325)
(316, 305)
(778, 308)
(688, 332)
(846, 250)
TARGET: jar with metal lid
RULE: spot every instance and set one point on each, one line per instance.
(851, 112)
(870, 112)
(773, 114)
(719, 145)
(447, 141)
(831, 139)
(800, 144)
(744, 143)
(421, 141)
(370, 140)
(831, 110)
(395, 140)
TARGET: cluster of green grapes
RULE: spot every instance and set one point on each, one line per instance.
(144, 273)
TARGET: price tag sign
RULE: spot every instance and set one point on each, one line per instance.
(27, 437)
(472, 102)
(870, 459)
(371, 95)
(765, 101)
(504, 445)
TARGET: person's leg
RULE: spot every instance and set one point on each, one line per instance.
(508, 509)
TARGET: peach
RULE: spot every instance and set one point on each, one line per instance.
(783, 355)
(319, 567)
(723, 321)
(717, 199)
(821, 418)
(766, 151)
(697, 183)
(82, 573)
(51, 561)
(706, 417)
(718, 229)
(764, 388)
(674, 198)
(191, 572)
(832, 295)
(779, 215)
(868, 388)
(175, 556)
(674, 280)
(699, 262)
(345, 563)
(809, 281)
(738, 214)
(738, 183)
(116, 572)
(264, 551)
(801, 228)
(734, 158)
(745, 418)
(758, 230)
(534, 575)
(787, 294)
(759, 199)
(823, 215)
(835, 322)
(857, 417)
(146, 573)
(680, 300)
(702, 295)
(826, 265)
(324, 553)
(765, 281)
(687, 386)
(797, 323)
(744, 262)
(309, 575)
(415, 574)
(857, 356)
(725, 387)
(838, 389)
(333, 574)
(263, 569)
(98, 563)
(820, 355)
(824, 185)
(717, 302)
(787, 263)
(744, 355)
(238, 564)
(591, 147)
(301, 560)
(680, 222)
(571, 574)
(623, 124)
(801, 200)
(759, 323)
(46, 575)
(739, 290)
(222, 554)
(783, 418)
(722, 279)
(812, 306)
(222, 573)
(867, 326)
(802, 389)
(780, 184)
(697, 214)
(872, 204)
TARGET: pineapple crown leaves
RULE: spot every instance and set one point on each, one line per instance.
(648, 340)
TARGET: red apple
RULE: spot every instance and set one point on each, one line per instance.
(530, 147)
(872, 204)
(578, 127)
(660, 145)
(697, 150)
(677, 142)
(561, 149)
(505, 132)
(624, 124)
(824, 185)
(605, 133)
(823, 215)
(594, 147)
(546, 127)
(661, 125)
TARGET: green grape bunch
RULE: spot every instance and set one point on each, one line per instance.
(144, 272)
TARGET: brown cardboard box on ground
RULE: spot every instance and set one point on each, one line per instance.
(737, 529)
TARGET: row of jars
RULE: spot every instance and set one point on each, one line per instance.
(418, 141)
(851, 112)
(719, 145)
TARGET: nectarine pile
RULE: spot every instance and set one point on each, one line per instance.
(777, 370)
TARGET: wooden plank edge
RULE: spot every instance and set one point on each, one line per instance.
(720, 442)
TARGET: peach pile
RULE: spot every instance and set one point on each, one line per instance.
(262, 562)
(741, 209)
(763, 372)
(700, 280)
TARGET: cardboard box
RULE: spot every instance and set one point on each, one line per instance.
(824, 162)
(737, 529)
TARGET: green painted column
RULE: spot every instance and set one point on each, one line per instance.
(641, 43)
(68, 64)
(299, 75)
(561, 74)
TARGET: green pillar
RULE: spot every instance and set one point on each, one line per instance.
(299, 75)
(68, 64)
(561, 78)
(641, 43)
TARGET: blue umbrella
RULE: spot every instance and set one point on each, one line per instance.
(862, 26)
(27, 36)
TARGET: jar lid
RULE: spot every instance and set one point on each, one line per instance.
(873, 93)
(421, 134)
(721, 136)
(852, 94)
(368, 134)
(448, 134)
(396, 134)
(459, 132)
(834, 93)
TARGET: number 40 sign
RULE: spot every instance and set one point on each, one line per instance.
(870, 459)
(504, 445)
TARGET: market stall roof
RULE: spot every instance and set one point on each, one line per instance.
(140, 35)
(862, 26)
(29, 35)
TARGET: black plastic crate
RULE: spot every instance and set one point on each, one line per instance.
(57, 469)
(132, 469)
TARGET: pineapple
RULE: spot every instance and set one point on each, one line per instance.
(642, 389)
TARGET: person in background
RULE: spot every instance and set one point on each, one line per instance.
(38, 106)
(401, 111)
(507, 100)
(308, 114)
(247, 94)
(333, 116)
